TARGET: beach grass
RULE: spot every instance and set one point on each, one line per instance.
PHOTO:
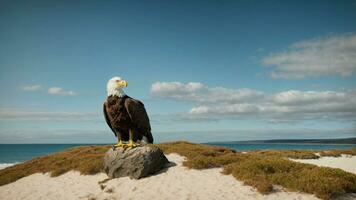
(294, 154)
(86, 160)
(263, 169)
(260, 169)
(338, 152)
(263, 172)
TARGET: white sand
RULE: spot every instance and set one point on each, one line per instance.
(176, 182)
(345, 162)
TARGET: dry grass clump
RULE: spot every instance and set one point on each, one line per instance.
(304, 154)
(338, 152)
(295, 154)
(264, 172)
(86, 160)
(201, 156)
(110, 190)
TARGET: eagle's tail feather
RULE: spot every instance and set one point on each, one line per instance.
(148, 138)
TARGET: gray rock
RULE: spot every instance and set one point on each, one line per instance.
(136, 163)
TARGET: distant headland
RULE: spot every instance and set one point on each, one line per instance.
(298, 141)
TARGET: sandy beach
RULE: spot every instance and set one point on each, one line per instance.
(176, 182)
(345, 162)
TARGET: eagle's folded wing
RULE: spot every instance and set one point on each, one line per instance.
(107, 118)
(139, 117)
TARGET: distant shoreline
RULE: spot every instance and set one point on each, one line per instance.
(336, 141)
(291, 143)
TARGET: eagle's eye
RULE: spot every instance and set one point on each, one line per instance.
(117, 80)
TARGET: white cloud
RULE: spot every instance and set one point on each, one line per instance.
(31, 88)
(218, 102)
(333, 55)
(288, 105)
(60, 91)
(175, 90)
(198, 92)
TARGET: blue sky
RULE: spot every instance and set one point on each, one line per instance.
(206, 70)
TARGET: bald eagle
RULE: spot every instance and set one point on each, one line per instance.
(126, 116)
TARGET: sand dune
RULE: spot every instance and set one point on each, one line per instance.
(176, 182)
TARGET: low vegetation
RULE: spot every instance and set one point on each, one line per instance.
(86, 159)
(264, 172)
(263, 169)
(260, 169)
(338, 152)
(201, 156)
(295, 154)
(304, 154)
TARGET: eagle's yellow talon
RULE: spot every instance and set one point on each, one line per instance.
(131, 144)
(119, 144)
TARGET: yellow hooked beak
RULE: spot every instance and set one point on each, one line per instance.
(122, 83)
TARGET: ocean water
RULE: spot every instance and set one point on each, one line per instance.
(15, 153)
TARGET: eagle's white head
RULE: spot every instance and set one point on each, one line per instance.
(115, 86)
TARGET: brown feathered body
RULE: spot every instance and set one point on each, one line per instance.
(125, 113)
